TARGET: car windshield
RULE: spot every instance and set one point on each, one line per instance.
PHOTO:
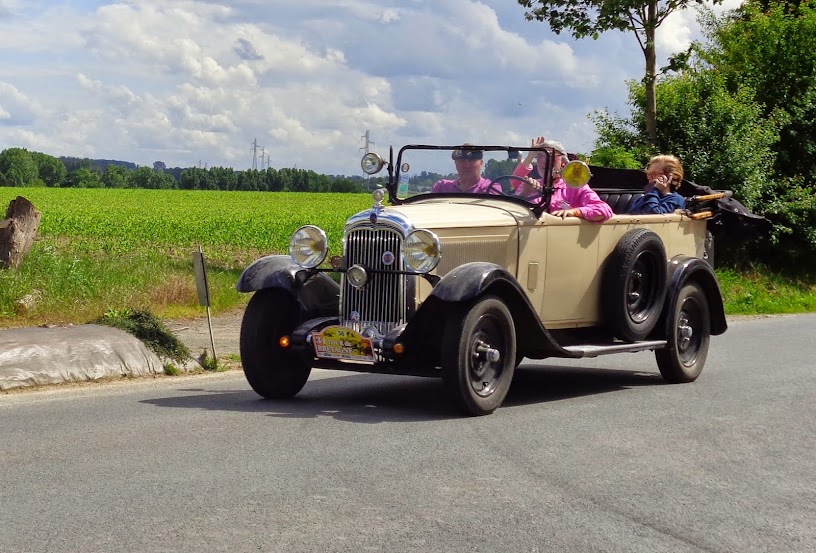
(471, 169)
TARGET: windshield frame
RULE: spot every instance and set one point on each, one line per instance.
(538, 205)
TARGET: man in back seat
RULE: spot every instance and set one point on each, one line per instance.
(664, 173)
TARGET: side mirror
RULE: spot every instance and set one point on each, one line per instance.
(576, 174)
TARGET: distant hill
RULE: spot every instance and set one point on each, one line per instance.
(72, 163)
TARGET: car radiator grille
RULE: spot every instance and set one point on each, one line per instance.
(381, 303)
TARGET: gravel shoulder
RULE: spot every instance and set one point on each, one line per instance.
(195, 333)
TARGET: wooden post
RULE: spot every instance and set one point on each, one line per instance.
(17, 232)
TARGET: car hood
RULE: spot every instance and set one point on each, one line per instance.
(440, 215)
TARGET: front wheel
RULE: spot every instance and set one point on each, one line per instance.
(684, 356)
(479, 355)
(271, 370)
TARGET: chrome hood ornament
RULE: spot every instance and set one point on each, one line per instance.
(378, 195)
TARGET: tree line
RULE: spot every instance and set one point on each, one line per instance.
(20, 167)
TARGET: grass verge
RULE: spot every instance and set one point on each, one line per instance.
(62, 284)
(150, 330)
(761, 291)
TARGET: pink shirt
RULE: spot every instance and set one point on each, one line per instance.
(448, 185)
(592, 207)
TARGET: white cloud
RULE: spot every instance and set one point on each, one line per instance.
(681, 27)
(15, 107)
(185, 81)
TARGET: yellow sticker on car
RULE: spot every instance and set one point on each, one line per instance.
(340, 342)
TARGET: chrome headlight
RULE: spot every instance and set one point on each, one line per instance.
(308, 246)
(372, 163)
(422, 251)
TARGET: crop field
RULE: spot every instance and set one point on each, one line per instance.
(121, 221)
(101, 249)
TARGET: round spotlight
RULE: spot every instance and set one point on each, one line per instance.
(576, 173)
(371, 163)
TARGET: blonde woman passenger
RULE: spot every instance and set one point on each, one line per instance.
(664, 173)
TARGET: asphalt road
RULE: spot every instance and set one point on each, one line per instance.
(584, 456)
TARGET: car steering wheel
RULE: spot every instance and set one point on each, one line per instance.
(502, 185)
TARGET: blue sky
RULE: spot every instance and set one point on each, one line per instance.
(192, 83)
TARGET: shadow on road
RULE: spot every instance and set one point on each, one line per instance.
(539, 384)
(372, 398)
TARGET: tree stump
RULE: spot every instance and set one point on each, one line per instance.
(17, 232)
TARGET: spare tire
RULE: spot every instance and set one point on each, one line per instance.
(634, 285)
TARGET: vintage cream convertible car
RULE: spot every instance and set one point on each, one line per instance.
(464, 286)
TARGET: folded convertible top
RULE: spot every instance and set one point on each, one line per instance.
(729, 216)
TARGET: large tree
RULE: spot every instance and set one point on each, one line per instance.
(115, 176)
(50, 169)
(18, 166)
(592, 17)
(771, 47)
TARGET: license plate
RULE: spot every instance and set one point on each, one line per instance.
(339, 342)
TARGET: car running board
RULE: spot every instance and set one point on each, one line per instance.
(594, 350)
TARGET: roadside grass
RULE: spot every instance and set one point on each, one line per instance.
(69, 288)
(72, 287)
(762, 291)
(150, 330)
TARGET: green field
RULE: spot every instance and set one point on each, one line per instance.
(101, 249)
(105, 250)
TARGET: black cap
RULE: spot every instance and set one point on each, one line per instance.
(467, 154)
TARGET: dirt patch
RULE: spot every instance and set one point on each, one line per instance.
(195, 333)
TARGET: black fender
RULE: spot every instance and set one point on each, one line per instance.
(316, 293)
(467, 282)
(682, 269)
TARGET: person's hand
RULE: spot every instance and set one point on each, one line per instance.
(534, 143)
(532, 185)
(662, 184)
(564, 213)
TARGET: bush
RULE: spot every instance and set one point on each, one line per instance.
(149, 329)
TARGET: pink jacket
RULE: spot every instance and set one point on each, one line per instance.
(447, 185)
(592, 207)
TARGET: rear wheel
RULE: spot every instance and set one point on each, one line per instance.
(271, 370)
(479, 355)
(684, 356)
